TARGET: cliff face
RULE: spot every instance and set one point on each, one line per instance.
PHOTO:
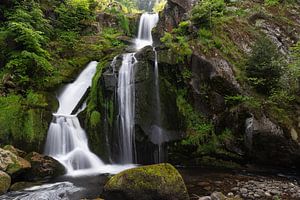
(261, 135)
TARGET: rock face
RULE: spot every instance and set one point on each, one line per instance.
(42, 167)
(5, 181)
(268, 144)
(145, 107)
(174, 12)
(155, 182)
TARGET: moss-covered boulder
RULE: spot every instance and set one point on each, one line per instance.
(5, 181)
(154, 182)
(11, 163)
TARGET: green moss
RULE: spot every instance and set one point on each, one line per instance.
(95, 118)
(5, 181)
(162, 179)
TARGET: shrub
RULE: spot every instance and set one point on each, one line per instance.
(264, 66)
(206, 11)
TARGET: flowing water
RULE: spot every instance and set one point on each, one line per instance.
(67, 141)
(147, 22)
(126, 89)
(158, 131)
(126, 100)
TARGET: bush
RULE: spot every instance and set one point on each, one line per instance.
(264, 66)
(204, 13)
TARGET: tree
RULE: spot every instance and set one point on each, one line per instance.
(264, 66)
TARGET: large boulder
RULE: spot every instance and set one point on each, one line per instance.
(5, 181)
(11, 163)
(268, 143)
(42, 167)
(154, 182)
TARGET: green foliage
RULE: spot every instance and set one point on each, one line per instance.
(179, 46)
(95, 118)
(206, 11)
(264, 66)
(240, 99)
(159, 6)
(123, 23)
(183, 28)
(74, 16)
(271, 2)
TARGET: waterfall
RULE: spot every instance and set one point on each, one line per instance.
(126, 99)
(147, 22)
(66, 140)
(126, 90)
(157, 128)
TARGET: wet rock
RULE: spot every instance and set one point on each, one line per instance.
(42, 167)
(5, 181)
(22, 185)
(160, 181)
(217, 196)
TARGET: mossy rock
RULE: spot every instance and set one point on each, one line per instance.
(11, 163)
(154, 182)
(5, 181)
(22, 185)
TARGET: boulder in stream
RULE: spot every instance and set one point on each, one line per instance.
(154, 182)
(42, 167)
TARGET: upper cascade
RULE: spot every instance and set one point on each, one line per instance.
(72, 93)
(147, 22)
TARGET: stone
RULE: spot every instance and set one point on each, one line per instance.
(5, 181)
(243, 190)
(15, 151)
(230, 194)
(161, 181)
(22, 185)
(204, 198)
(42, 167)
(11, 163)
(217, 196)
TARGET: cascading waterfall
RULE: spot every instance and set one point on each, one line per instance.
(66, 140)
(147, 22)
(126, 89)
(126, 99)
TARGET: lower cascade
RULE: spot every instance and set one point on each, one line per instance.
(126, 100)
(66, 140)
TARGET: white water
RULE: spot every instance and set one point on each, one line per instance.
(126, 99)
(147, 22)
(158, 130)
(66, 140)
(126, 89)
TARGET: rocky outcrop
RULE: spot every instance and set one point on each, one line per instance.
(5, 181)
(175, 11)
(153, 182)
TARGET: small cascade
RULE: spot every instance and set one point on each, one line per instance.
(66, 140)
(157, 129)
(126, 90)
(126, 100)
(147, 22)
